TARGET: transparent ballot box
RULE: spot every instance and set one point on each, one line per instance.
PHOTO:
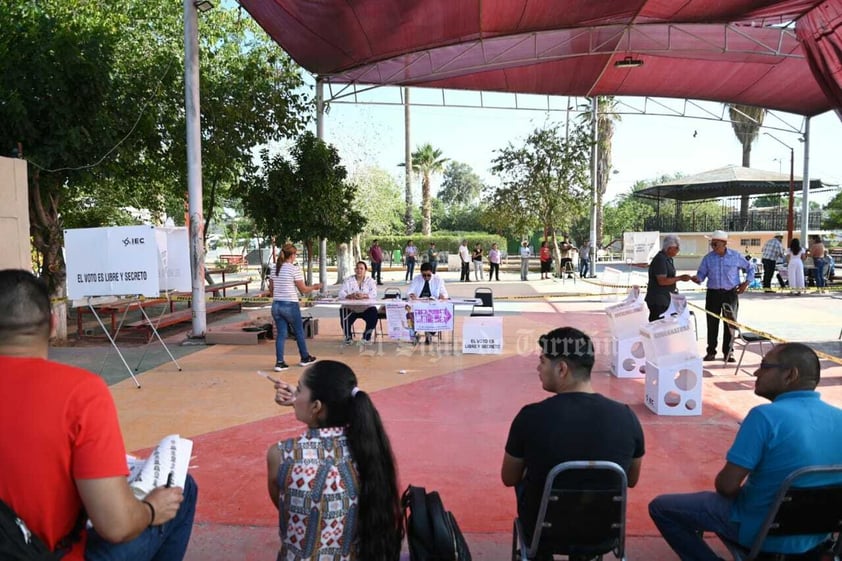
(669, 340)
(626, 318)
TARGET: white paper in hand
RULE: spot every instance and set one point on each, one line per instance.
(171, 455)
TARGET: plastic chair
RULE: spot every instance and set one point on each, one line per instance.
(486, 307)
(745, 337)
(586, 522)
(798, 511)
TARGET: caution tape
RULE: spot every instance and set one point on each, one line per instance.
(770, 336)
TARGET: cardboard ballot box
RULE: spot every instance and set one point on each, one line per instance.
(674, 387)
(627, 357)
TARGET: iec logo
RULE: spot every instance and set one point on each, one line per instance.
(133, 241)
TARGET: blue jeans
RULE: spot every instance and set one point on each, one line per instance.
(158, 543)
(285, 314)
(410, 268)
(681, 519)
(584, 267)
(820, 264)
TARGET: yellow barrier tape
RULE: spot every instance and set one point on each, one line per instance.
(775, 338)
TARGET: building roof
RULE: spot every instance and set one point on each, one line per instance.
(729, 181)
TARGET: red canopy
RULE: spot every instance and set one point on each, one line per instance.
(782, 55)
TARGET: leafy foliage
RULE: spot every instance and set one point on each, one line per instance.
(834, 213)
(460, 185)
(545, 182)
(426, 161)
(94, 92)
(304, 199)
(379, 200)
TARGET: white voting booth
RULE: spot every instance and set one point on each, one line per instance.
(625, 320)
(126, 262)
(673, 366)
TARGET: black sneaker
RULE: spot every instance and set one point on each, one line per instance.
(730, 359)
(349, 340)
(709, 356)
(281, 366)
(309, 360)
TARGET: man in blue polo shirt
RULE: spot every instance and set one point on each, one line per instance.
(721, 267)
(797, 429)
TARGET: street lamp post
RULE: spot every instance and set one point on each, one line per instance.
(790, 208)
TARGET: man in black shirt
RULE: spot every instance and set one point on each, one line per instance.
(662, 278)
(576, 423)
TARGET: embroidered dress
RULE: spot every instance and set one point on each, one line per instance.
(318, 502)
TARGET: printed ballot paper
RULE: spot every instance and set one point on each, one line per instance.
(172, 455)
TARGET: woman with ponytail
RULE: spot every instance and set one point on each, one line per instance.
(285, 282)
(335, 486)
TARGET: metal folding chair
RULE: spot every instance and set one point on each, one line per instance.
(745, 337)
(587, 520)
(801, 511)
(390, 294)
(486, 307)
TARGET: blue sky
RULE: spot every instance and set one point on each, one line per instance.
(644, 146)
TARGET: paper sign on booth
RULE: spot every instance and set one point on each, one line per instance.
(482, 336)
(115, 261)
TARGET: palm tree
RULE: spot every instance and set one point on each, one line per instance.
(746, 121)
(426, 161)
(606, 116)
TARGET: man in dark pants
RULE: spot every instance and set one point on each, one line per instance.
(721, 267)
(772, 251)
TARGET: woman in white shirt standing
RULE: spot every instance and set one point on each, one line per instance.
(285, 281)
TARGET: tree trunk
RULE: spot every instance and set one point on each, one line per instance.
(47, 237)
(426, 224)
(744, 198)
(343, 260)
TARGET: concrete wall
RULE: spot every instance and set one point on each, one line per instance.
(14, 215)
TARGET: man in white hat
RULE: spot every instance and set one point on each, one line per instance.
(773, 250)
(721, 268)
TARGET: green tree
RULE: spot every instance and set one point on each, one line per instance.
(303, 199)
(834, 213)
(606, 116)
(379, 200)
(94, 93)
(746, 121)
(460, 185)
(427, 161)
(545, 182)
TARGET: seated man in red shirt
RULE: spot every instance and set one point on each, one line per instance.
(62, 449)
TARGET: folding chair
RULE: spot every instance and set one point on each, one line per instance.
(801, 511)
(486, 307)
(390, 294)
(745, 337)
(588, 520)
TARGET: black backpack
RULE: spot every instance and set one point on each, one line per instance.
(431, 531)
(18, 543)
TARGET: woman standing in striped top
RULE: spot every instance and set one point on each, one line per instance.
(285, 281)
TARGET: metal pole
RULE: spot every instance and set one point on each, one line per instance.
(320, 134)
(594, 163)
(790, 217)
(805, 191)
(194, 167)
(790, 210)
(407, 160)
